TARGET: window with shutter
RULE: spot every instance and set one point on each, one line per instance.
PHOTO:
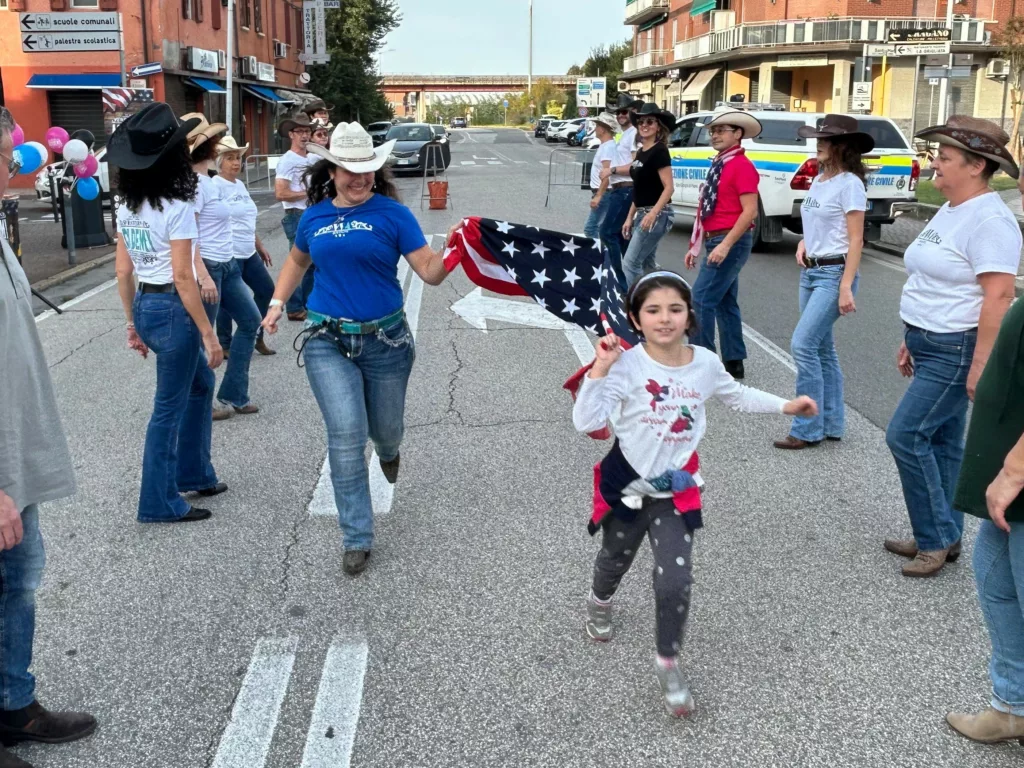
(257, 7)
(215, 18)
(288, 24)
(199, 11)
(186, 9)
(246, 12)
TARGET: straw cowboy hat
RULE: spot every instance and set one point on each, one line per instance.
(228, 144)
(666, 118)
(839, 128)
(204, 131)
(316, 105)
(972, 134)
(319, 124)
(751, 125)
(607, 119)
(141, 140)
(352, 149)
(291, 123)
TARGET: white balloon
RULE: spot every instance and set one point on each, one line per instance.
(75, 151)
(43, 151)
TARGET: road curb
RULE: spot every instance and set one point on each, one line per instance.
(897, 251)
(73, 272)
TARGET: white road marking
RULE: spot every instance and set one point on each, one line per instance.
(332, 729)
(522, 162)
(544, 162)
(494, 162)
(77, 300)
(885, 263)
(246, 739)
(413, 302)
(581, 343)
(770, 347)
(469, 162)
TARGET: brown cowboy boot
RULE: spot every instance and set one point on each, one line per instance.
(926, 563)
(988, 727)
(908, 548)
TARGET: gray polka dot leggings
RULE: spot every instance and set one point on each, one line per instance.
(672, 545)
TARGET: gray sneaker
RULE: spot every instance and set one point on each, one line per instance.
(599, 620)
(678, 699)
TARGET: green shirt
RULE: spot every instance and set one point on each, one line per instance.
(998, 419)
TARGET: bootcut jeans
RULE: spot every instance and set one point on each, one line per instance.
(596, 217)
(926, 433)
(818, 374)
(643, 244)
(297, 301)
(234, 296)
(359, 382)
(176, 457)
(255, 275)
(21, 570)
(619, 202)
(715, 298)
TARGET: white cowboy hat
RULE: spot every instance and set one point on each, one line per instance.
(724, 116)
(607, 119)
(352, 149)
(228, 144)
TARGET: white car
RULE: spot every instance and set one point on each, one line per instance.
(42, 185)
(551, 132)
(570, 128)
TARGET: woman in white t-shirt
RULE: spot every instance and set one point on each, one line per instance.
(605, 126)
(960, 283)
(156, 227)
(217, 252)
(829, 257)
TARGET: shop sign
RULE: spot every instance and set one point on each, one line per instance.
(203, 60)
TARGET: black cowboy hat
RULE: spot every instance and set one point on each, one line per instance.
(315, 105)
(839, 128)
(666, 118)
(146, 136)
(291, 123)
(625, 101)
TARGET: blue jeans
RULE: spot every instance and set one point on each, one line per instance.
(21, 570)
(255, 275)
(817, 365)
(715, 294)
(359, 383)
(181, 423)
(593, 226)
(297, 301)
(926, 433)
(999, 576)
(237, 301)
(639, 256)
(618, 205)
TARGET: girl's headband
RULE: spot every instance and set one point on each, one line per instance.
(651, 276)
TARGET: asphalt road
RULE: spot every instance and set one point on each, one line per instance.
(239, 643)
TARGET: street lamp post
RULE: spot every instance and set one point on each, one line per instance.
(529, 76)
(228, 106)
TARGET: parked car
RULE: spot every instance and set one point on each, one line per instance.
(42, 182)
(551, 132)
(540, 127)
(788, 164)
(378, 131)
(410, 150)
(570, 129)
(440, 131)
(458, 122)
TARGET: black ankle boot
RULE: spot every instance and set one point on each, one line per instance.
(734, 368)
(35, 723)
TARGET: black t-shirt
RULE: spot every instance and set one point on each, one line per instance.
(647, 186)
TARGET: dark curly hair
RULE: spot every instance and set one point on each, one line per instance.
(845, 156)
(320, 185)
(205, 151)
(646, 285)
(170, 178)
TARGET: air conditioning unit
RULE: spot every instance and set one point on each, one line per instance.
(222, 60)
(623, 85)
(722, 20)
(961, 16)
(280, 50)
(250, 66)
(997, 68)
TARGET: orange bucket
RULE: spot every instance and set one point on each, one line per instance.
(438, 195)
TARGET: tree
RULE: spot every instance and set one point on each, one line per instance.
(544, 93)
(1012, 40)
(350, 80)
(605, 61)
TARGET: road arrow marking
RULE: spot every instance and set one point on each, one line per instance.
(476, 309)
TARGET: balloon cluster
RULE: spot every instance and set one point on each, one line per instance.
(33, 156)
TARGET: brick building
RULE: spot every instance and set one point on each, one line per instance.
(187, 38)
(807, 54)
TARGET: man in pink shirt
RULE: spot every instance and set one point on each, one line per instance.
(725, 218)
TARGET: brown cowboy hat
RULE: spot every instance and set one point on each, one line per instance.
(291, 123)
(315, 105)
(973, 134)
(650, 109)
(839, 128)
(204, 130)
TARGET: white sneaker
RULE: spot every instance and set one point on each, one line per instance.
(678, 699)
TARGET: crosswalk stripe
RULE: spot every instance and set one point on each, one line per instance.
(332, 729)
(246, 739)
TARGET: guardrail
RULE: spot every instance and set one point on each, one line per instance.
(569, 168)
(259, 167)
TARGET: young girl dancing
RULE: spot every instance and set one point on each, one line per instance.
(649, 483)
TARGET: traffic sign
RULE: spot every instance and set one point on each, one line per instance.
(879, 50)
(505, 102)
(63, 42)
(861, 96)
(68, 22)
(921, 49)
(933, 80)
(145, 70)
(314, 58)
(583, 111)
(934, 35)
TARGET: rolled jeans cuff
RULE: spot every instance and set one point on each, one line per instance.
(1010, 709)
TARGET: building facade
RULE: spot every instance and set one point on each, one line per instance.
(183, 41)
(809, 55)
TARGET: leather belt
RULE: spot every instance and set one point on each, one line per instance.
(622, 184)
(717, 233)
(351, 327)
(827, 261)
(157, 288)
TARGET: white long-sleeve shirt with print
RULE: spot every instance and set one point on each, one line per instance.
(657, 411)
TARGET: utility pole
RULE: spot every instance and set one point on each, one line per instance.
(231, 62)
(529, 77)
(944, 82)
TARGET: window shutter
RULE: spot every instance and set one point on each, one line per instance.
(215, 14)
(288, 24)
(199, 10)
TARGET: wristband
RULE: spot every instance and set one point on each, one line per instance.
(276, 302)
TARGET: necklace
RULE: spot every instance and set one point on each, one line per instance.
(351, 209)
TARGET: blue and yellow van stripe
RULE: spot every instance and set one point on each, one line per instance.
(698, 159)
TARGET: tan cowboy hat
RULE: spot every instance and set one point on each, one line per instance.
(352, 148)
(751, 125)
(319, 124)
(228, 144)
(204, 130)
(973, 134)
(291, 123)
(839, 128)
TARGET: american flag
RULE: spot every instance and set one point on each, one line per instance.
(118, 99)
(571, 277)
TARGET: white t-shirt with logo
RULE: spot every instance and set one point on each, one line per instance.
(243, 216)
(292, 167)
(607, 151)
(942, 293)
(824, 213)
(626, 146)
(147, 235)
(214, 221)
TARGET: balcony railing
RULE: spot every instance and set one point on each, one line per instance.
(647, 59)
(818, 31)
(639, 11)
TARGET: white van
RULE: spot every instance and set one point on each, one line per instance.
(788, 164)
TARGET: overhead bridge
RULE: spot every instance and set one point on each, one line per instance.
(412, 95)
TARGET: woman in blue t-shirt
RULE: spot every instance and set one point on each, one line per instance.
(358, 349)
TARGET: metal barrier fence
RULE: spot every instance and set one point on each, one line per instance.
(259, 167)
(569, 168)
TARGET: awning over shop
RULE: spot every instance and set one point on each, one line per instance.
(702, 6)
(203, 84)
(266, 94)
(658, 20)
(76, 82)
(697, 84)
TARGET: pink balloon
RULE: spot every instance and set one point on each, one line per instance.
(56, 138)
(87, 168)
(18, 135)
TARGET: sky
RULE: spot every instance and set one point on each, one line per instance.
(490, 37)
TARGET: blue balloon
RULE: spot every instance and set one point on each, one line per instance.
(29, 157)
(88, 189)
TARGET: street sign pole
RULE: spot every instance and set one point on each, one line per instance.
(230, 64)
(944, 83)
(120, 50)
(913, 99)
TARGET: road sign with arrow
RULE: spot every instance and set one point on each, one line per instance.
(70, 41)
(68, 22)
